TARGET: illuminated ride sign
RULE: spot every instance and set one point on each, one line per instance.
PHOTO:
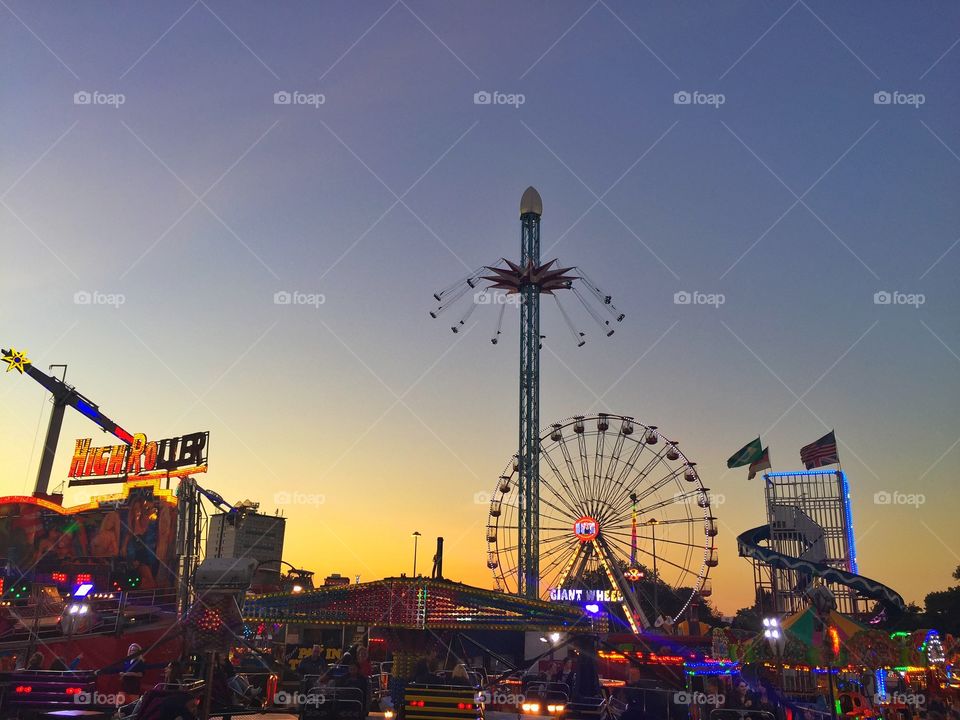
(590, 595)
(633, 573)
(171, 457)
(586, 528)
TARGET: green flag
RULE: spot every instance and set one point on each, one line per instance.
(749, 453)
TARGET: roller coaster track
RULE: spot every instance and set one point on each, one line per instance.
(748, 545)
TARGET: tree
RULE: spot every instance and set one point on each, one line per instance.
(943, 608)
(747, 618)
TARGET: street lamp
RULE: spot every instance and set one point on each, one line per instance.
(652, 522)
(416, 537)
(774, 635)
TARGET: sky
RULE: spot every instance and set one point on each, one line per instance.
(156, 194)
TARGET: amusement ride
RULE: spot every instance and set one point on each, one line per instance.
(606, 476)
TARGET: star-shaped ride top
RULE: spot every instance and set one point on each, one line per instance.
(15, 360)
(544, 277)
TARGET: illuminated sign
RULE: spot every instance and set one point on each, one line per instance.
(579, 595)
(633, 573)
(171, 457)
(586, 528)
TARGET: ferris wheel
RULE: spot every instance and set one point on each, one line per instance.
(619, 505)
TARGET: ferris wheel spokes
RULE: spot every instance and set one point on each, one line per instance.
(631, 608)
(606, 471)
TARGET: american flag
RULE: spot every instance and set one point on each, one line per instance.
(820, 452)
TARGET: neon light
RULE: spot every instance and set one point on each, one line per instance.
(83, 590)
(88, 410)
(881, 679)
(159, 493)
(848, 518)
(834, 640)
(804, 472)
(123, 435)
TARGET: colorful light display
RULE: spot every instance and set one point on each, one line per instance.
(415, 603)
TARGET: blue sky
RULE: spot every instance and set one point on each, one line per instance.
(196, 199)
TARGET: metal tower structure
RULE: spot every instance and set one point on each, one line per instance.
(527, 281)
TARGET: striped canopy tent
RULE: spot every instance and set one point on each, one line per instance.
(828, 639)
(805, 625)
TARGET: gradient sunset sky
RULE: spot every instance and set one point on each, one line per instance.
(198, 198)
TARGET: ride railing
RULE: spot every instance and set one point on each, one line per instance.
(149, 703)
(732, 714)
(333, 703)
(97, 614)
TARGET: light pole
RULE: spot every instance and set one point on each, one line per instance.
(652, 522)
(416, 537)
(774, 635)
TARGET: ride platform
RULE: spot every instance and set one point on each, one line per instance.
(415, 604)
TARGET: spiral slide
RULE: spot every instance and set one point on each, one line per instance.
(748, 545)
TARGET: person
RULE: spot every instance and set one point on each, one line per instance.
(58, 665)
(220, 692)
(313, 664)
(764, 703)
(741, 699)
(363, 661)
(460, 676)
(239, 683)
(586, 679)
(173, 673)
(179, 706)
(353, 679)
(421, 672)
(35, 662)
(131, 676)
(821, 704)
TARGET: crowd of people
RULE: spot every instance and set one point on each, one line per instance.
(351, 673)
